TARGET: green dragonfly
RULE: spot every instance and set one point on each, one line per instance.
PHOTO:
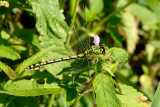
(91, 52)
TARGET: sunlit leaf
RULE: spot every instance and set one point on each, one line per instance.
(30, 88)
(50, 21)
(132, 98)
(41, 84)
(104, 92)
(5, 35)
(9, 53)
(8, 70)
(19, 47)
(119, 54)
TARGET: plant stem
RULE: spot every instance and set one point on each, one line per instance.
(51, 100)
(72, 22)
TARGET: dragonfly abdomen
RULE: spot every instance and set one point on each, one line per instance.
(38, 65)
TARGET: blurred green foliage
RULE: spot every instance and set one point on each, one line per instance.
(39, 30)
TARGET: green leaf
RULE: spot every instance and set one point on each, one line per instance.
(131, 31)
(59, 51)
(96, 6)
(154, 5)
(156, 101)
(35, 58)
(41, 83)
(89, 15)
(71, 94)
(132, 98)
(104, 92)
(19, 47)
(50, 21)
(116, 37)
(111, 68)
(119, 54)
(9, 53)
(5, 35)
(8, 70)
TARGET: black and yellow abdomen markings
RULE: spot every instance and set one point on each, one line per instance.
(40, 64)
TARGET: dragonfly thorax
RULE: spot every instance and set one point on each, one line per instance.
(94, 50)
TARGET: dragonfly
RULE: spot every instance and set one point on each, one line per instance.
(91, 52)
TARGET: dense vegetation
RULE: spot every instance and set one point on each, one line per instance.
(33, 31)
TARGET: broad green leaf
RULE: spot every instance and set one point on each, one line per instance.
(50, 21)
(96, 6)
(146, 16)
(132, 98)
(119, 54)
(9, 53)
(35, 58)
(40, 84)
(154, 5)
(8, 70)
(156, 101)
(130, 29)
(104, 92)
(30, 88)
